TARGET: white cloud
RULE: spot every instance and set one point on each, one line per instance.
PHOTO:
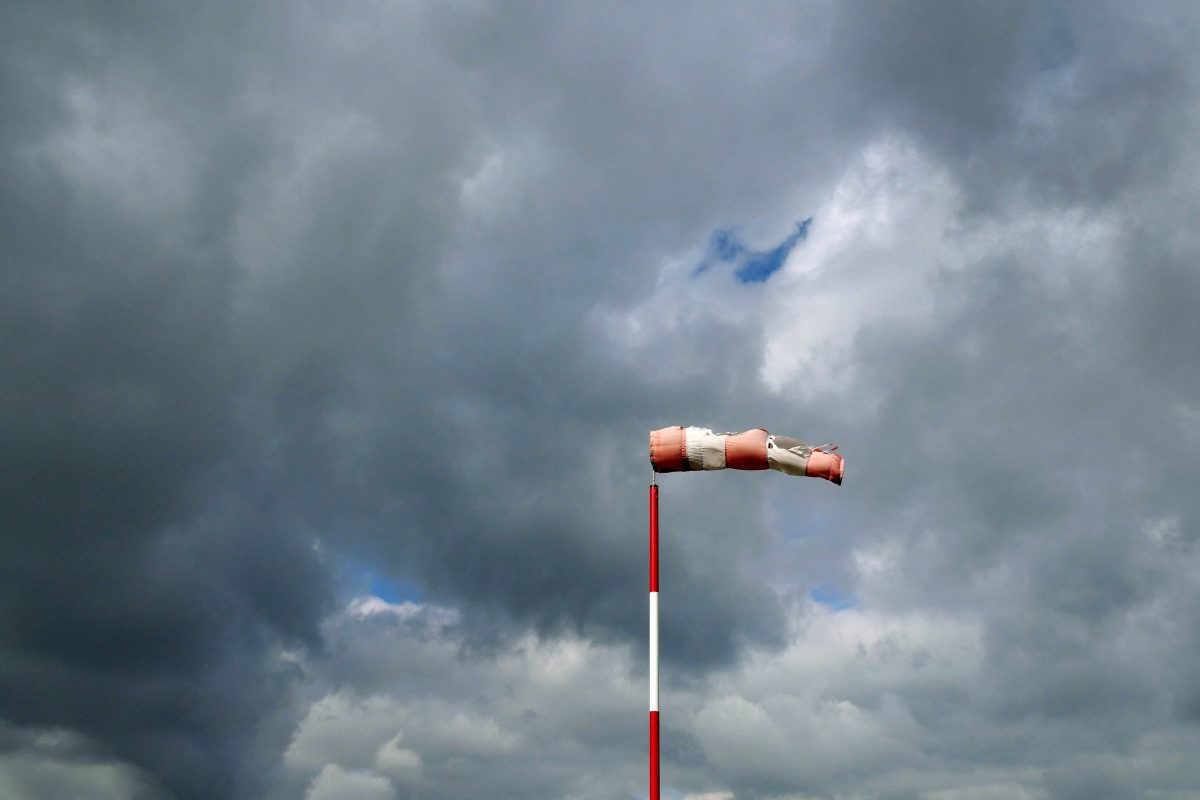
(341, 728)
(832, 704)
(399, 763)
(335, 783)
(995, 791)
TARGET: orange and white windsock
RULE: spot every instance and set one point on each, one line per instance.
(679, 449)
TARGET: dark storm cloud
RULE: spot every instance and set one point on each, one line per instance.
(290, 289)
(133, 607)
(229, 339)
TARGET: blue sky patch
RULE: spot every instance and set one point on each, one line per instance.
(366, 579)
(751, 266)
(833, 597)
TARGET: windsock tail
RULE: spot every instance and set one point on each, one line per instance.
(829, 466)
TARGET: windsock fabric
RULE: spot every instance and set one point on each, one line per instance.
(679, 449)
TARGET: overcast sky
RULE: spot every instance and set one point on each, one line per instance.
(333, 332)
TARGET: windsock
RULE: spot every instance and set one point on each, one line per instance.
(679, 449)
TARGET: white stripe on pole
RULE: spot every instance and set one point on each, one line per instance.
(654, 651)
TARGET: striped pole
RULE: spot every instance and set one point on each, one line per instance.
(654, 641)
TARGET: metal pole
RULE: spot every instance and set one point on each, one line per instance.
(654, 641)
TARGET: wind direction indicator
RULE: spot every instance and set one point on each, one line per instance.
(679, 449)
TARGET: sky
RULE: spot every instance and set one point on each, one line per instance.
(333, 333)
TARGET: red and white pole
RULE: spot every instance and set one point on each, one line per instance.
(654, 641)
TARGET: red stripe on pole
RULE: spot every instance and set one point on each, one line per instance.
(653, 755)
(654, 643)
(654, 537)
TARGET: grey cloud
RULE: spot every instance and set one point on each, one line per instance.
(264, 268)
(51, 763)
